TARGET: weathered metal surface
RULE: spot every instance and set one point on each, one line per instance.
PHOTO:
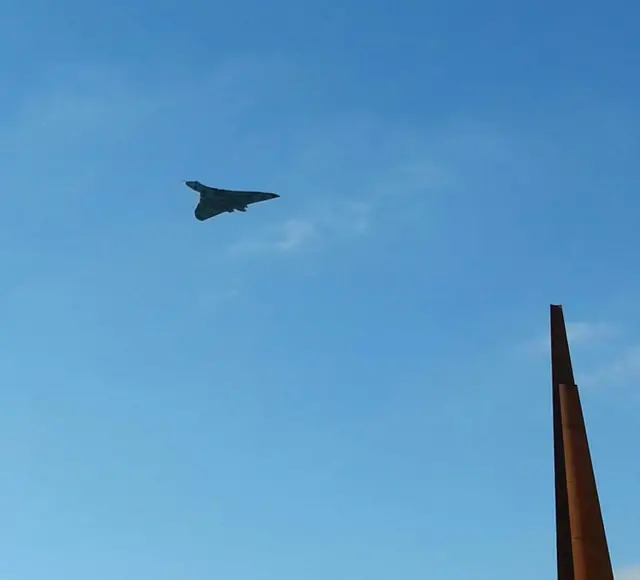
(582, 550)
(561, 371)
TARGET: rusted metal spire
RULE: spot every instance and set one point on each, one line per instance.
(581, 541)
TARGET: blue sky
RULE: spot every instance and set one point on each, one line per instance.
(349, 382)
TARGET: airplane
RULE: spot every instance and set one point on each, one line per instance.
(214, 201)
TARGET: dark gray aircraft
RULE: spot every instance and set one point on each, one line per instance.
(214, 201)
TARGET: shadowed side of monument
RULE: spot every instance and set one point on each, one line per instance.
(582, 550)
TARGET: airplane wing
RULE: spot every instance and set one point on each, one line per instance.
(249, 197)
(205, 211)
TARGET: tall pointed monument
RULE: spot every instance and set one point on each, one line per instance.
(581, 542)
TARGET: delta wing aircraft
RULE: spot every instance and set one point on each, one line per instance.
(214, 201)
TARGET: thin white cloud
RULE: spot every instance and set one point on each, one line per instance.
(335, 217)
(622, 371)
(321, 225)
(352, 167)
(289, 236)
(578, 333)
(86, 102)
(629, 573)
(294, 234)
(355, 168)
(611, 363)
(211, 301)
(71, 112)
(415, 175)
(72, 116)
(347, 218)
(585, 332)
(73, 104)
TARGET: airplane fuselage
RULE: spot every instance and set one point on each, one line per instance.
(215, 197)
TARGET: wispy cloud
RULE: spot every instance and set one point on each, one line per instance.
(351, 209)
(629, 573)
(587, 332)
(83, 103)
(622, 370)
(73, 103)
(579, 334)
(211, 301)
(606, 358)
(70, 126)
(351, 166)
(289, 236)
(320, 225)
(59, 129)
